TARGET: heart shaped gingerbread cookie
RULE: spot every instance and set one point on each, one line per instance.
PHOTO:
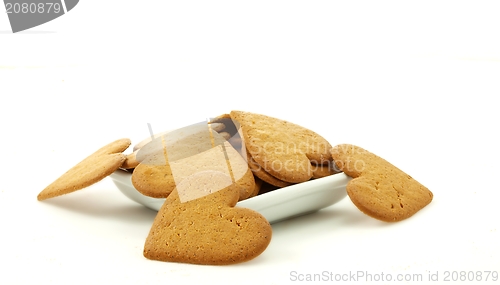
(89, 171)
(283, 149)
(207, 230)
(379, 189)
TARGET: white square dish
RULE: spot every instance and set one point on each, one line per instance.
(276, 205)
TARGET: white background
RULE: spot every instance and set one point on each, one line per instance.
(414, 83)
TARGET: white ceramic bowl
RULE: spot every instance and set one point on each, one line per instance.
(276, 205)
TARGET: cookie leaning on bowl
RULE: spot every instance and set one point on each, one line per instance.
(89, 171)
(380, 189)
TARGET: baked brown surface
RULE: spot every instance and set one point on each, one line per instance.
(283, 149)
(258, 187)
(324, 170)
(379, 189)
(264, 175)
(209, 230)
(130, 161)
(89, 171)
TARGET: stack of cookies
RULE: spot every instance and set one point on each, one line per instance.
(278, 152)
(204, 169)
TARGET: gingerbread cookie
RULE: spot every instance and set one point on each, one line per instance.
(130, 161)
(379, 189)
(324, 170)
(208, 230)
(89, 171)
(168, 159)
(264, 175)
(258, 187)
(283, 149)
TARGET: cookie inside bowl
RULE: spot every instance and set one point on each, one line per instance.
(277, 205)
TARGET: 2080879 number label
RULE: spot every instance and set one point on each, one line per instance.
(470, 276)
(32, 8)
